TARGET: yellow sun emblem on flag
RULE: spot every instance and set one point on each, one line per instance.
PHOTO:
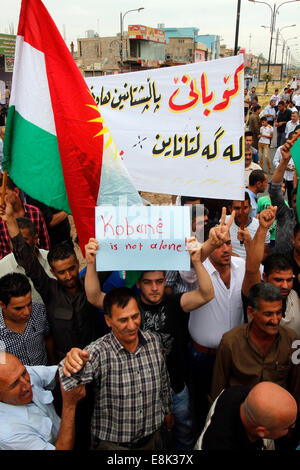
(104, 129)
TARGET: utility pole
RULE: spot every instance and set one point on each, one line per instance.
(237, 27)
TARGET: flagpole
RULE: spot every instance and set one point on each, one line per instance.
(3, 189)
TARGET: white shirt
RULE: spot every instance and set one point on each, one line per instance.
(252, 227)
(289, 172)
(275, 98)
(265, 131)
(290, 127)
(296, 99)
(208, 323)
(292, 312)
(8, 265)
(34, 426)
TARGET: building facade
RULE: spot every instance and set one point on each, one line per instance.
(139, 48)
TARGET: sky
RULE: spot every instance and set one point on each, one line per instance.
(74, 17)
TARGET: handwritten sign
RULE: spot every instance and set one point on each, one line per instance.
(179, 130)
(142, 237)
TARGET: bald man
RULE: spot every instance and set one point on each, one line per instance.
(242, 419)
(28, 420)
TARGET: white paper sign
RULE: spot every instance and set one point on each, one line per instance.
(142, 237)
(179, 129)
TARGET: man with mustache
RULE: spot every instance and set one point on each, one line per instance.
(260, 350)
(278, 270)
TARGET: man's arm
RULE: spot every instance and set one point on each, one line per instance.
(222, 370)
(44, 240)
(275, 191)
(205, 292)
(58, 218)
(25, 256)
(91, 281)
(256, 248)
(66, 434)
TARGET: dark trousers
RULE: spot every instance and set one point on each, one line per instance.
(280, 138)
(200, 370)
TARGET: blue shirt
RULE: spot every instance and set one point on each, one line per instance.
(253, 200)
(34, 426)
(30, 346)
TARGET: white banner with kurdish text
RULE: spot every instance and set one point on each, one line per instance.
(179, 130)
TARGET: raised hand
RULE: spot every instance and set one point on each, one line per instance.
(6, 211)
(91, 250)
(267, 217)
(194, 248)
(75, 360)
(72, 397)
(285, 151)
(219, 235)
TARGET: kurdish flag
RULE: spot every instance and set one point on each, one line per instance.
(57, 148)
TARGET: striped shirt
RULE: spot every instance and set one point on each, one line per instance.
(132, 389)
(29, 347)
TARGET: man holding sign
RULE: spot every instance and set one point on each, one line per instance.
(166, 315)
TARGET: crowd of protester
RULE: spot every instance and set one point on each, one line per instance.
(154, 360)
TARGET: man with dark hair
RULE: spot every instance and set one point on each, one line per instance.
(249, 165)
(251, 224)
(253, 94)
(167, 316)
(73, 320)
(289, 171)
(276, 99)
(269, 112)
(285, 96)
(258, 182)
(248, 143)
(20, 209)
(278, 271)
(261, 349)
(254, 124)
(8, 264)
(23, 325)
(283, 116)
(128, 369)
(264, 142)
(286, 217)
(189, 200)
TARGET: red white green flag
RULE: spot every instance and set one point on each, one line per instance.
(57, 147)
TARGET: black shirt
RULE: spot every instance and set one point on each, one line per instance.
(170, 322)
(283, 116)
(225, 430)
